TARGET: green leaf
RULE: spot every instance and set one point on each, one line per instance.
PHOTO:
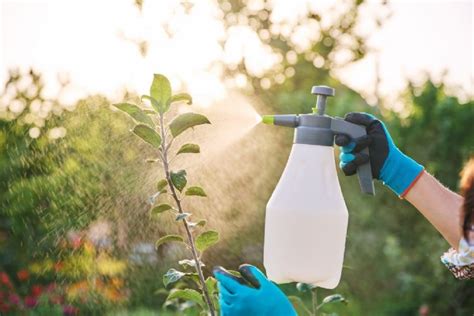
(154, 103)
(206, 239)
(161, 185)
(193, 276)
(160, 90)
(215, 301)
(168, 304)
(172, 276)
(135, 112)
(152, 199)
(200, 223)
(151, 112)
(185, 121)
(179, 179)
(168, 238)
(148, 134)
(298, 305)
(195, 191)
(304, 287)
(188, 295)
(161, 292)
(190, 263)
(211, 285)
(335, 298)
(182, 216)
(189, 149)
(151, 160)
(181, 97)
(161, 208)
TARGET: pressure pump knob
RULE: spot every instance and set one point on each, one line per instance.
(322, 92)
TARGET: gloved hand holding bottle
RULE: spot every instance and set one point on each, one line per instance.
(397, 171)
(251, 294)
(442, 207)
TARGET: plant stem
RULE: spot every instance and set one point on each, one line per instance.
(202, 281)
(314, 298)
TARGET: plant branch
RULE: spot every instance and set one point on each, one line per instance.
(314, 299)
(196, 257)
(169, 144)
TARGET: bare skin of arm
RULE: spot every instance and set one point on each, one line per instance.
(439, 205)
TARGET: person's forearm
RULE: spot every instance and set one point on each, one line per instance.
(441, 207)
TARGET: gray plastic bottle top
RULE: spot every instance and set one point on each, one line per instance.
(320, 129)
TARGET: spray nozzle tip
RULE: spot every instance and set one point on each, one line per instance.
(268, 119)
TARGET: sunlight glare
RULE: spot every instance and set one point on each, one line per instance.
(258, 118)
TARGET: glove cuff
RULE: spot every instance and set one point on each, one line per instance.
(402, 172)
(404, 193)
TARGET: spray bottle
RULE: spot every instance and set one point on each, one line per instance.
(306, 216)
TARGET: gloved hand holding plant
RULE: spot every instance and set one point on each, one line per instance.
(251, 294)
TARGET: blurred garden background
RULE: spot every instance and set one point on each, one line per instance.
(76, 235)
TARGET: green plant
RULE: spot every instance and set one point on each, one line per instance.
(153, 128)
(316, 308)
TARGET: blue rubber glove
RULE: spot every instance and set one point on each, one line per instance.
(251, 294)
(397, 171)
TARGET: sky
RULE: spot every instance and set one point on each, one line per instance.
(421, 36)
(86, 40)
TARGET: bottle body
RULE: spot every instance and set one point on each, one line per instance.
(306, 220)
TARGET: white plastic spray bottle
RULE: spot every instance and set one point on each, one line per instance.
(306, 216)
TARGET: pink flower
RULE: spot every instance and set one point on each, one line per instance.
(5, 280)
(36, 290)
(14, 299)
(51, 287)
(56, 299)
(69, 310)
(23, 275)
(75, 239)
(30, 301)
(4, 307)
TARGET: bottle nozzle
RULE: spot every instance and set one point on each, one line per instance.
(288, 120)
(268, 119)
